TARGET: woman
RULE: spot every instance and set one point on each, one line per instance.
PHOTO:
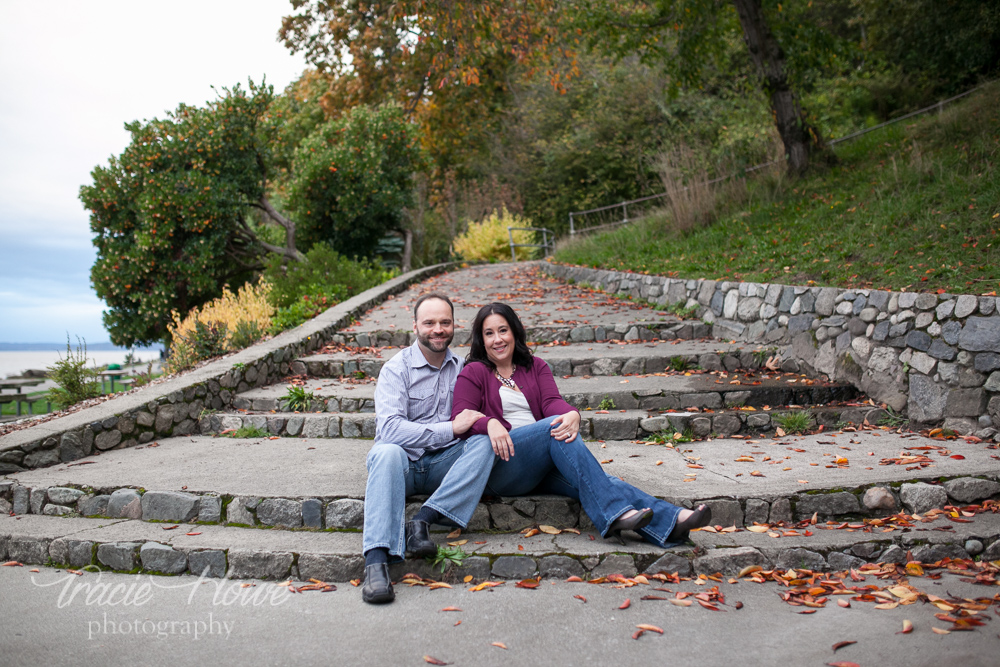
(536, 435)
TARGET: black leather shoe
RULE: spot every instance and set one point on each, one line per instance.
(640, 519)
(378, 587)
(418, 540)
(699, 518)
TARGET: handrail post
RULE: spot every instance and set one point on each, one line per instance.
(572, 231)
(624, 212)
(513, 255)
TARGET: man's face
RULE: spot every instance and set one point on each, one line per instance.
(434, 325)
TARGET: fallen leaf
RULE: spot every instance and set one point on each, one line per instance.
(451, 609)
(843, 664)
(573, 579)
(907, 628)
(780, 432)
(651, 628)
(453, 534)
(680, 603)
(549, 530)
(844, 603)
(193, 534)
(626, 604)
(438, 584)
(757, 529)
(171, 527)
(940, 631)
(499, 645)
(434, 661)
(532, 532)
(486, 584)
(528, 583)
(12, 563)
(35, 569)
(581, 598)
(467, 579)
(653, 597)
(458, 543)
(607, 461)
(457, 623)
(842, 644)
(638, 633)
(738, 605)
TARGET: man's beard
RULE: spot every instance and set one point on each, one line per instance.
(438, 345)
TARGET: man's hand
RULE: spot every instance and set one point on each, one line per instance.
(565, 427)
(503, 446)
(464, 421)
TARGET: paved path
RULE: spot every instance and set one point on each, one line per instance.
(265, 624)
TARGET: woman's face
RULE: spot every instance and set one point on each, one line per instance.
(498, 339)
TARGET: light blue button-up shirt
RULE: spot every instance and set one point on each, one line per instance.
(413, 402)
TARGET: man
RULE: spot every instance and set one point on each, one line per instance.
(417, 449)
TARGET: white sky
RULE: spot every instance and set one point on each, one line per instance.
(71, 74)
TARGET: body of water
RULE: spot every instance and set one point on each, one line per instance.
(15, 362)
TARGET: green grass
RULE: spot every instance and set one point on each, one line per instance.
(915, 205)
(248, 432)
(8, 409)
(793, 422)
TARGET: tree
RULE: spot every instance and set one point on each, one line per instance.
(172, 216)
(352, 179)
(686, 37)
(447, 63)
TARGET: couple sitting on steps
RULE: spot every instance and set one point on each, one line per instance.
(507, 432)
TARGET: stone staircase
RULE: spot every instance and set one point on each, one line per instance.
(686, 418)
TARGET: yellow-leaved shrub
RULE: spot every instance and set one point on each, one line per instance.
(489, 240)
(240, 318)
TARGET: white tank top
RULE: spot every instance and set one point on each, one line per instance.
(515, 408)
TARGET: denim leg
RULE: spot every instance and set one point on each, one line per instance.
(385, 499)
(529, 465)
(602, 500)
(664, 513)
(456, 478)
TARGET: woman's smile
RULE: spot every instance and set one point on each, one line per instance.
(499, 340)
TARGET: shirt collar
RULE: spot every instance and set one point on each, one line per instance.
(417, 358)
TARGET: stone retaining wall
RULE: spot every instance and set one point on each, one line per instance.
(174, 407)
(934, 356)
(502, 514)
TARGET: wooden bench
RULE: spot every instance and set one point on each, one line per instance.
(18, 399)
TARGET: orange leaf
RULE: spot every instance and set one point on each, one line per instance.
(528, 583)
(453, 534)
(681, 603)
(844, 603)
(907, 628)
(573, 579)
(486, 584)
(651, 628)
(940, 631)
(626, 604)
(531, 532)
(193, 534)
(467, 578)
(12, 563)
(451, 609)
(638, 633)
(839, 645)
(434, 661)
(581, 598)
(499, 645)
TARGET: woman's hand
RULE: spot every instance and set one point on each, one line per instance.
(566, 427)
(500, 439)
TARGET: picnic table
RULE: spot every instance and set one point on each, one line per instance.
(17, 397)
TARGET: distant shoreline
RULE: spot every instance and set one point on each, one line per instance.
(61, 347)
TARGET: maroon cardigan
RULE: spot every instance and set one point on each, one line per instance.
(477, 388)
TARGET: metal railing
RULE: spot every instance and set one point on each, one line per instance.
(548, 240)
(641, 205)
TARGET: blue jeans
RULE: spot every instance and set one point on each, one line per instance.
(542, 464)
(454, 478)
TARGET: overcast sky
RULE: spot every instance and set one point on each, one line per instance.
(71, 74)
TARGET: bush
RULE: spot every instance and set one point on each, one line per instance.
(245, 334)
(303, 290)
(76, 381)
(489, 240)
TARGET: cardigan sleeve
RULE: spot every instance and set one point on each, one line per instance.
(552, 401)
(470, 394)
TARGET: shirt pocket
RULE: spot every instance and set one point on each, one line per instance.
(421, 400)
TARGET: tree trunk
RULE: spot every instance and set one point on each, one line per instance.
(770, 61)
(407, 251)
(289, 251)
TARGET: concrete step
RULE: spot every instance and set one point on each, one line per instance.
(666, 327)
(693, 423)
(217, 551)
(320, 483)
(670, 390)
(579, 359)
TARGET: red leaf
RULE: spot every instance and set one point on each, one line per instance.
(958, 457)
(451, 609)
(581, 598)
(626, 604)
(839, 645)
(434, 661)
(638, 633)
(843, 664)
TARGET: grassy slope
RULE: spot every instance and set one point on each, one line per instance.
(915, 205)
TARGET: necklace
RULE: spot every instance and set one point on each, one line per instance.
(507, 382)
